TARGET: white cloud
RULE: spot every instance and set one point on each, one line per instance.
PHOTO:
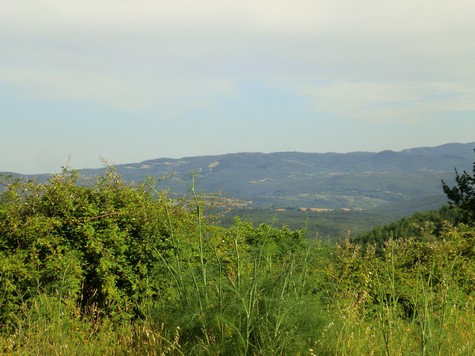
(403, 16)
(177, 55)
(391, 102)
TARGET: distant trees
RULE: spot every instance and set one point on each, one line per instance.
(462, 195)
(421, 226)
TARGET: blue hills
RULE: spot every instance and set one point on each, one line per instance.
(409, 179)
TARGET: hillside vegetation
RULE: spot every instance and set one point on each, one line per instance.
(104, 266)
(356, 180)
(399, 183)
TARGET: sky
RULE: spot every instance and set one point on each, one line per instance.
(124, 81)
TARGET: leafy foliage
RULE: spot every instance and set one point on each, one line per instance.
(96, 241)
(462, 195)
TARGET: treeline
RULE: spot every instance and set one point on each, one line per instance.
(102, 266)
(422, 226)
(326, 225)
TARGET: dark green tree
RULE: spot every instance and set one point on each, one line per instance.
(462, 195)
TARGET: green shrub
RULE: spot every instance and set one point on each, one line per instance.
(101, 241)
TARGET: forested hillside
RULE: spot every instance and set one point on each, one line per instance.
(105, 266)
(357, 180)
(395, 181)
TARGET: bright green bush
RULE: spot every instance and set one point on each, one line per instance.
(100, 241)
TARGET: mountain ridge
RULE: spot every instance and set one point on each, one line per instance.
(359, 179)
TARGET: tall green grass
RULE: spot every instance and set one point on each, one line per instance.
(260, 300)
(418, 298)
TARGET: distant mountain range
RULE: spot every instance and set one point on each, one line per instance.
(356, 180)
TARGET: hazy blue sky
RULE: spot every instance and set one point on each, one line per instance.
(131, 80)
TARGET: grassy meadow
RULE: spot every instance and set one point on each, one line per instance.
(99, 266)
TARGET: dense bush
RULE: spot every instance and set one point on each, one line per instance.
(99, 241)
